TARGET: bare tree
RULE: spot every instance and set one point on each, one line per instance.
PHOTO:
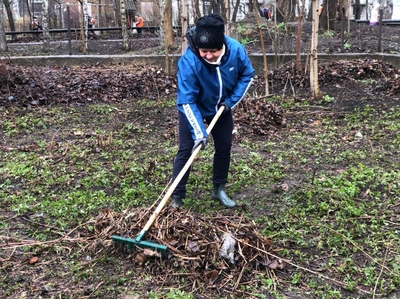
(315, 91)
(328, 16)
(3, 41)
(8, 7)
(185, 24)
(45, 26)
(285, 10)
(168, 33)
(298, 37)
(263, 50)
(357, 10)
(84, 24)
(167, 24)
(125, 32)
(235, 10)
(196, 10)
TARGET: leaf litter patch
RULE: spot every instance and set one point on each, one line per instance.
(194, 241)
(219, 251)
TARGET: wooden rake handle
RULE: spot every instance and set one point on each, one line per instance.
(180, 175)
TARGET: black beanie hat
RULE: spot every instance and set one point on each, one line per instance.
(210, 32)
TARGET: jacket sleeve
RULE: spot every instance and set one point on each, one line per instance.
(188, 92)
(243, 81)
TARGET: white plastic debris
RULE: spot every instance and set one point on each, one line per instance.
(227, 250)
(359, 135)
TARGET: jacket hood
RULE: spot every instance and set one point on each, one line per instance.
(190, 36)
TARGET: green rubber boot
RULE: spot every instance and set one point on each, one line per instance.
(177, 201)
(219, 193)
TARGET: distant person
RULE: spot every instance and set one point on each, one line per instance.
(320, 8)
(374, 15)
(91, 22)
(266, 13)
(139, 23)
(36, 25)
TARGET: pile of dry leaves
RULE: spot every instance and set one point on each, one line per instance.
(208, 250)
(38, 86)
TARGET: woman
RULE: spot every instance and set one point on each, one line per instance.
(374, 15)
(214, 71)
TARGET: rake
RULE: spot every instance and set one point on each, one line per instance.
(139, 242)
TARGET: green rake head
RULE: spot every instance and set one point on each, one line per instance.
(132, 244)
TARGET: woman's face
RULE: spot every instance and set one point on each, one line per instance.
(211, 55)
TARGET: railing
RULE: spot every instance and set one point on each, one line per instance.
(151, 29)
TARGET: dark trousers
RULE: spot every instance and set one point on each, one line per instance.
(222, 136)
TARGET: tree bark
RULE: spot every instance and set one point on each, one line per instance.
(235, 11)
(45, 26)
(328, 16)
(3, 41)
(357, 10)
(125, 33)
(262, 49)
(314, 85)
(7, 5)
(84, 25)
(167, 24)
(196, 10)
(168, 33)
(298, 37)
(184, 25)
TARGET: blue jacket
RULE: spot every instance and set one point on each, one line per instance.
(202, 86)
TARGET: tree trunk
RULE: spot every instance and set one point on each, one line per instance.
(125, 32)
(282, 11)
(196, 10)
(298, 37)
(28, 6)
(100, 14)
(184, 18)
(292, 11)
(226, 17)
(262, 49)
(3, 41)
(314, 85)
(328, 16)
(235, 11)
(167, 24)
(251, 7)
(7, 5)
(118, 12)
(357, 10)
(84, 26)
(168, 33)
(45, 26)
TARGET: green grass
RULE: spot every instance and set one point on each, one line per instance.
(327, 197)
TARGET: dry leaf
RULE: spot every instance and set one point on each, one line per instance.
(151, 253)
(33, 260)
(140, 258)
(194, 246)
